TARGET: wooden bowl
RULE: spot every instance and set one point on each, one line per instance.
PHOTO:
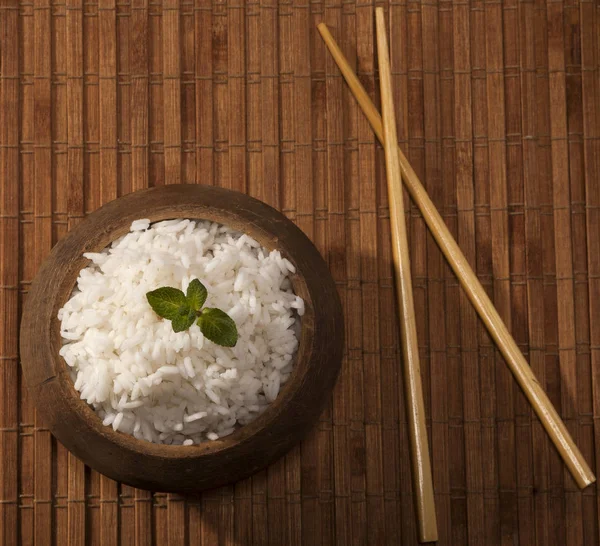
(213, 463)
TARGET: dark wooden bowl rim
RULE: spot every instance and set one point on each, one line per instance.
(211, 464)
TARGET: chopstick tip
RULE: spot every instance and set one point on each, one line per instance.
(323, 30)
(588, 479)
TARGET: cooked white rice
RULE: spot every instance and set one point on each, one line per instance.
(180, 388)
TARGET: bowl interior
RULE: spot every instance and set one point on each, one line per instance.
(267, 240)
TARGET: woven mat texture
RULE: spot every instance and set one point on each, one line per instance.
(498, 107)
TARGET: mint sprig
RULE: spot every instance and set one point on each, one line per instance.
(183, 309)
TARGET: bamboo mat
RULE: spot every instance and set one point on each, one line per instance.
(498, 107)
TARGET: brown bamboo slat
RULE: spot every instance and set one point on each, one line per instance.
(22, 210)
(10, 241)
(498, 112)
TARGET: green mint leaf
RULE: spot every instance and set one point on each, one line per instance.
(184, 320)
(218, 326)
(196, 294)
(169, 303)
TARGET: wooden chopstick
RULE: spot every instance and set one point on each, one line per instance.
(525, 377)
(415, 408)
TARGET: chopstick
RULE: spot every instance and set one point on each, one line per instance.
(421, 465)
(525, 377)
